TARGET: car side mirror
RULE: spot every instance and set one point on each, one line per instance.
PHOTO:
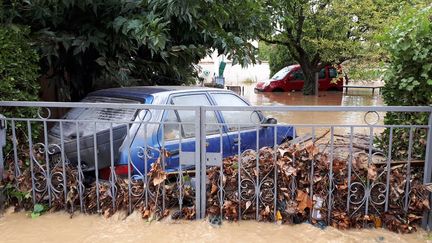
(270, 120)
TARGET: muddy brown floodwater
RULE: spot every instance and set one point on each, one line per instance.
(60, 227)
(358, 97)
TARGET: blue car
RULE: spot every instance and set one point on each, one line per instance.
(139, 135)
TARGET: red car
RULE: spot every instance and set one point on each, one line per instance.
(291, 78)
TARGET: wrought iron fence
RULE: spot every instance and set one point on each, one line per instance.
(304, 181)
(223, 162)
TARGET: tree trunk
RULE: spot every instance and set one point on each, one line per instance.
(309, 77)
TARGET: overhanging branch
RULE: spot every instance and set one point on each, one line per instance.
(290, 44)
(272, 41)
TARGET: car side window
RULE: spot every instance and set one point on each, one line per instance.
(246, 119)
(322, 74)
(298, 75)
(171, 127)
(333, 73)
(186, 118)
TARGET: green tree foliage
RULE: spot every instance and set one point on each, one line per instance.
(364, 69)
(19, 72)
(371, 61)
(280, 58)
(409, 78)
(264, 50)
(18, 66)
(89, 43)
(320, 32)
(408, 81)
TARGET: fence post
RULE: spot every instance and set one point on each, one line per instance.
(198, 162)
(202, 168)
(427, 177)
(2, 143)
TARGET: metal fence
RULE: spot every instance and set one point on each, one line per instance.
(219, 161)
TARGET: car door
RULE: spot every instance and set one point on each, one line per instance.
(334, 80)
(297, 82)
(323, 81)
(178, 129)
(243, 126)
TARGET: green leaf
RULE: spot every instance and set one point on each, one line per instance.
(118, 23)
(38, 208)
(101, 61)
(186, 178)
(134, 25)
(235, 166)
(34, 215)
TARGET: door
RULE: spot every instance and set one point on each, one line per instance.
(334, 80)
(323, 81)
(179, 130)
(243, 126)
(297, 82)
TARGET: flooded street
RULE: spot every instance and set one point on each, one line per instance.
(325, 98)
(358, 97)
(60, 227)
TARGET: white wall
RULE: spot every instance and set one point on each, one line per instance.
(235, 75)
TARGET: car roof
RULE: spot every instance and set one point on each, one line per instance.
(294, 65)
(144, 92)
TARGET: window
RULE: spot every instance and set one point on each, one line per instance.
(322, 74)
(333, 73)
(246, 119)
(171, 130)
(186, 118)
(298, 75)
(118, 116)
(282, 73)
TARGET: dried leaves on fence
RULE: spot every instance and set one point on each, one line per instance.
(353, 196)
(311, 185)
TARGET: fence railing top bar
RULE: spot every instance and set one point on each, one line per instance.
(215, 108)
(117, 122)
(318, 125)
(323, 108)
(93, 105)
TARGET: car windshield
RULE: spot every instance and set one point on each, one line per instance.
(118, 116)
(282, 73)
